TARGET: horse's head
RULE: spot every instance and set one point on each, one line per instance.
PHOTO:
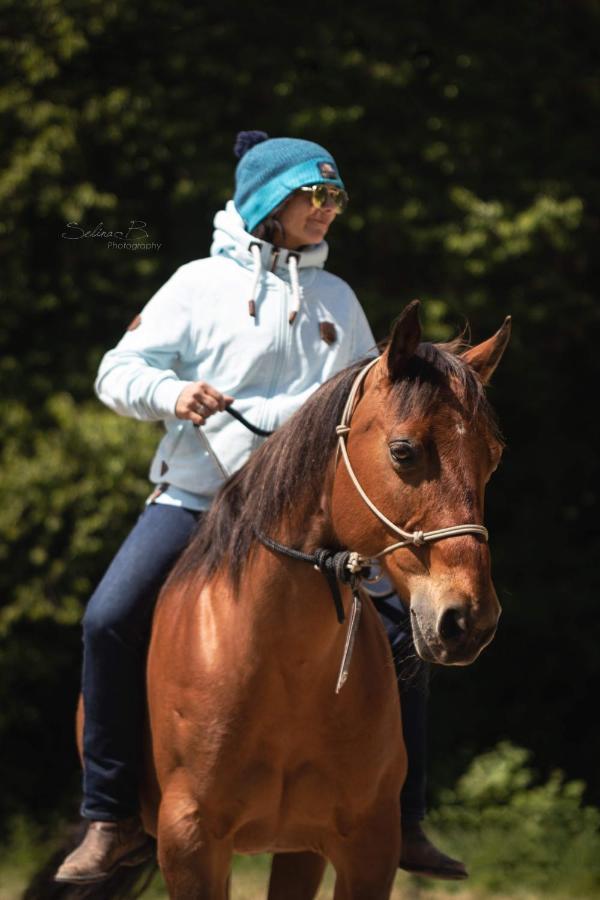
(423, 444)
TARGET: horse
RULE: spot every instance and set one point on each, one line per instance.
(251, 749)
(272, 727)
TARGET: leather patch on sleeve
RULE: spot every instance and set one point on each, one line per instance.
(328, 332)
(135, 323)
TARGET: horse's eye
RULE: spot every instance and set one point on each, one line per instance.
(403, 453)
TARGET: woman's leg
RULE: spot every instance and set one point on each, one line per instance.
(116, 629)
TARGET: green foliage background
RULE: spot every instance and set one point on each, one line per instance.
(466, 135)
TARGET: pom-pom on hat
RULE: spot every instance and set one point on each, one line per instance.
(270, 169)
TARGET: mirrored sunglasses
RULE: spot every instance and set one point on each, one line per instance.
(324, 195)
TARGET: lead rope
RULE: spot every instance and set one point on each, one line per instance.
(344, 566)
(350, 639)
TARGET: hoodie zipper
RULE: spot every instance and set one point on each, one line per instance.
(284, 336)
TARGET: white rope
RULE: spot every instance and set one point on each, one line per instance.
(255, 250)
(295, 285)
(349, 643)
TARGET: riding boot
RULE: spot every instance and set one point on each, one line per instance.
(106, 846)
(421, 857)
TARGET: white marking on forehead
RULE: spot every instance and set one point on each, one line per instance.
(461, 428)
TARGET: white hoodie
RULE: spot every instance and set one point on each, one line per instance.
(197, 327)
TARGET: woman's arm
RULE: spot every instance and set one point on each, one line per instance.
(139, 377)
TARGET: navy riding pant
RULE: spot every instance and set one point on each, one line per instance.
(116, 629)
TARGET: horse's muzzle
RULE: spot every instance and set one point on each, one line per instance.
(452, 636)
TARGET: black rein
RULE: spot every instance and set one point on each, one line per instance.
(253, 428)
(332, 563)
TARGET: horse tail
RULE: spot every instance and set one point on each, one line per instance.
(125, 883)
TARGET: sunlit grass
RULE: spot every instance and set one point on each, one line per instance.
(250, 879)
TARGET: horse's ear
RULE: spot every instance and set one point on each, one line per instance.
(485, 357)
(404, 340)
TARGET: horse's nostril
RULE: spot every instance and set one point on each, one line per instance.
(452, 625)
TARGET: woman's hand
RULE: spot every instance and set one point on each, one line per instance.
(200, 400)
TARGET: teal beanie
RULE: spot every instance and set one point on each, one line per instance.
(271, 168)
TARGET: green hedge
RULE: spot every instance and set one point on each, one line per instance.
(521, 833)
(73, 478)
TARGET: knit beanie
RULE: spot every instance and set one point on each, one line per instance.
(271, 168)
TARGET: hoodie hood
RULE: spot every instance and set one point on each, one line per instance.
(231, 239)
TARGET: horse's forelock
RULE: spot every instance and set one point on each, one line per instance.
(436, 373)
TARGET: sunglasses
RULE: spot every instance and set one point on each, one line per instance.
(324, 195)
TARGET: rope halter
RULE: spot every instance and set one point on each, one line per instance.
(416, 538)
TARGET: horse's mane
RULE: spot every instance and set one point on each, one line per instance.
(290, 466)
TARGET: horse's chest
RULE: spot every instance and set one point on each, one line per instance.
(281, 806)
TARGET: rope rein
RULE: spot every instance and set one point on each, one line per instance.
(253, 428)
(345, 566)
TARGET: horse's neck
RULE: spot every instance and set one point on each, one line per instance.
(310, 526)
(296, 600)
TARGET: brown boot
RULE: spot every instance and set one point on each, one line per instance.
(420, 857)
(106, 846)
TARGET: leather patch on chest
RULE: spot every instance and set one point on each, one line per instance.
(135, 323)
(327, 332)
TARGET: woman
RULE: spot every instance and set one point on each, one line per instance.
(259, 321)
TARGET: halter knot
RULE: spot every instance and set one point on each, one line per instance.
(418, 538)
(334, 566)
(355, 563)
(341, 430)
(332, 563)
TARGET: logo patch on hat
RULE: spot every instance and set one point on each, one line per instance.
(327, 170)
(328, 332)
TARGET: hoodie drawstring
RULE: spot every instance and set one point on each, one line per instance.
(292, 261)
(255, 249)
(295, 283)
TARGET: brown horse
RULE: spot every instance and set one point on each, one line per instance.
(251, 749)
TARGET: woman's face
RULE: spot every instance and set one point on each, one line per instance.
(303, 223)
